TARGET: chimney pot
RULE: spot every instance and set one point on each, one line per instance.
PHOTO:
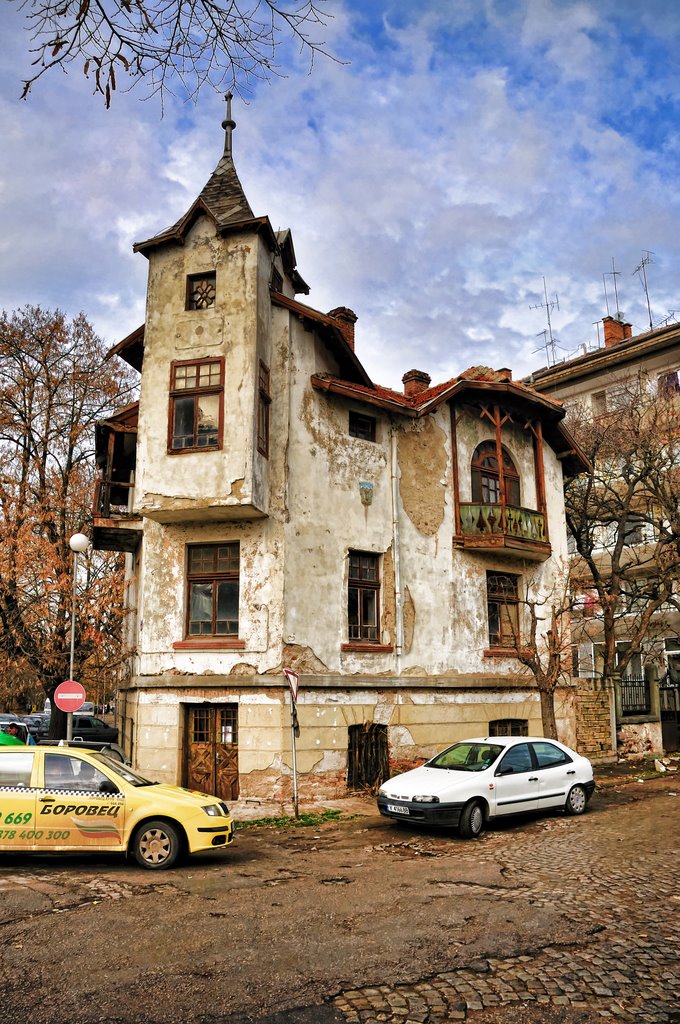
(414, 382)
(346, 320)
(615, 331)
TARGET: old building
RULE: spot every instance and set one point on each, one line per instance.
(599, 385)
(281, 510)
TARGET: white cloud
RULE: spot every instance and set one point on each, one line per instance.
(466, 151)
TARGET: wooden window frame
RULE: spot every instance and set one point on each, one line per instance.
(354, 418)
(482, 475)
(195, 392)
(361, 584)
(264, 401)
(192, 280)
(500, 643)
(212, 576)
(276, 280)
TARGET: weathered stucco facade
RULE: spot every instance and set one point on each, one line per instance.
(308, 471)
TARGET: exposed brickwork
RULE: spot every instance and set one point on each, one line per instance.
(593, 707)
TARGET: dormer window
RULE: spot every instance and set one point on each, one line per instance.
(201, 290)
(486, 476)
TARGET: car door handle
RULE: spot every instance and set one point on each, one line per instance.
(533, 778)
(572, 772)
(46, 799)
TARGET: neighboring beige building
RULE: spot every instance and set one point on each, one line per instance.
(280, 510)
(598, 382)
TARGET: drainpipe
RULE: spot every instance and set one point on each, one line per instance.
(399, 597)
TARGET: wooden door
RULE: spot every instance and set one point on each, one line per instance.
(212, 750)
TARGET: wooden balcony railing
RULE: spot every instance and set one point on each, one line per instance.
(107, 497)
(482, 520)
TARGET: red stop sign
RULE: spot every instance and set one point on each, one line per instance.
(69, 695)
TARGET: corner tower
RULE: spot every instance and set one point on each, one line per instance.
(202, 452)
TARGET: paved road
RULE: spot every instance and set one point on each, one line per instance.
(558, 920)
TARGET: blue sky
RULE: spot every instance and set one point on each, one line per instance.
(461, 153)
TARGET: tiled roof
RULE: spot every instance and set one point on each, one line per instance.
(424, 400)
(222, 198)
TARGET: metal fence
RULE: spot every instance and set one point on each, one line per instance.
(635, 696)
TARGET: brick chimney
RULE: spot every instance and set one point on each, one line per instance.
(414, 382)
(346, 320)
(615, 331)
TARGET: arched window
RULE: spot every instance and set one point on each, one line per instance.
(486, 483)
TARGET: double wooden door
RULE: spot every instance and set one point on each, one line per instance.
(212, 750)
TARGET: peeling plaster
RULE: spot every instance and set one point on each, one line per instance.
(422, 464)
(400, 736)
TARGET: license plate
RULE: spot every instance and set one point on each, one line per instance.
(397, 809)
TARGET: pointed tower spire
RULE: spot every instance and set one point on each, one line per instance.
(228, 124)
(222, 197)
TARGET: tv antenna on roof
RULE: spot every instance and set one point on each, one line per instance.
(550, 341)
(640, 269)
(614, 273)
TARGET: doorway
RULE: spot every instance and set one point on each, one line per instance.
(368, 764)
(211, 750)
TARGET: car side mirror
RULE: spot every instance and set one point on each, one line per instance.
(108, 787)
(505, 771)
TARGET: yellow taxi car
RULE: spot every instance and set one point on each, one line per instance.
(59, 799)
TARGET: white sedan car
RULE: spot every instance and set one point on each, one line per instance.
(478, 780)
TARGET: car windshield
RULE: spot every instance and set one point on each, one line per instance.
(466, 757)
(128, 774)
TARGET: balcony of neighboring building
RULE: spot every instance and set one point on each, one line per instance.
(115, 526)
(495, 519)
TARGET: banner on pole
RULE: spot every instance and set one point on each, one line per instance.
(293, 681)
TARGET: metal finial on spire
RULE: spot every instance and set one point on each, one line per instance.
(228, 124)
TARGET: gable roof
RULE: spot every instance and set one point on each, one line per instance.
(331, 333)
(479, 383)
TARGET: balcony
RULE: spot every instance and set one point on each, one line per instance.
(115, 527)
(518, 532)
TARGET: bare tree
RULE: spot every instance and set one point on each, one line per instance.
(545, 652)
(195, 42)
(54, 386)
(624, 519)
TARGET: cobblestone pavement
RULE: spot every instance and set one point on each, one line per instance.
(627, 972)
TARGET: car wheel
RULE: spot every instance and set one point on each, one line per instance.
(576, 800)
(471, 820)
(157, 844)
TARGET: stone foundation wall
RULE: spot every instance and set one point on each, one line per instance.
(420, 721)
(594, 714)
(640, 738)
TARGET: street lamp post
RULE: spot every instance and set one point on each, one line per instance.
(78, 543)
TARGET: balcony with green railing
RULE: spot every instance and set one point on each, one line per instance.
(521, 531)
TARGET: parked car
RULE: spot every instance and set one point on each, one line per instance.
(35, 723)
(66, 800)
(475, 781)
(87, 727)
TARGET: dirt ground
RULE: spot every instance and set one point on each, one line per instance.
(292, 917)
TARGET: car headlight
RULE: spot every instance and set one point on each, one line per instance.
(214, 811)
(425, 799)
